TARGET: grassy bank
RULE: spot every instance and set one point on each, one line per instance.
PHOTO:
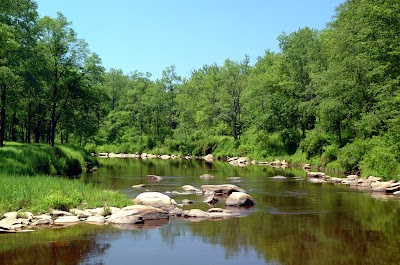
(30, 179)
(41, 193)
(32, 159)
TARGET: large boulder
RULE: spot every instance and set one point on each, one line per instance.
(136, 214)
(239, 199)
(221, 189)
(155, 199)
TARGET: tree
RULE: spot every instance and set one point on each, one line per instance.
(233, 81)
(65, 57)
(17, 19)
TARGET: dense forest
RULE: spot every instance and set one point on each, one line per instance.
(331, 96)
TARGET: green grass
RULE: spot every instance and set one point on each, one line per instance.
(30, 179)
(32, 159)
(41, 193)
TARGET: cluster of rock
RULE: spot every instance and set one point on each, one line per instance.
(371, 183)
(149, 206)
(235, 161)
(142, 155)
(246, 161)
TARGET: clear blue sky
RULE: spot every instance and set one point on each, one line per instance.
(150, 35)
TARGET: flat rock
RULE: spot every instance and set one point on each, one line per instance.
(206, 176)
(66, 219)
(187, 201)
(80, 213)
(335, 180)
(25, 215)
(95, 219)
(42, 222)
(315, 174)
(57, 213)
(221, 189)
(125, 218)
(100, 211)
(145, 212)
(8, 222)
(195, 213)
(192, 189)
(139, 186)
(239, 199)
(221, 213)
(154, 178)
(316, 180)
(278, 177)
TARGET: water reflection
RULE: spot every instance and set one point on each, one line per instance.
(293, 222)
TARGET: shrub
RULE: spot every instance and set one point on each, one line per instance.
(350, 156)
(313, 144)
(380, 160)
(330, 154)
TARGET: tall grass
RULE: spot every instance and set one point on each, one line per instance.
(41, 193)
(31, 159)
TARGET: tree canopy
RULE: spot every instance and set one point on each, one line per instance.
(330, 96)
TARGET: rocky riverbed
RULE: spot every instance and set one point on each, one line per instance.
(148, 207)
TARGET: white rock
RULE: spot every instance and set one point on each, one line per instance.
(239, 199)
(155, 199)
(66, 219)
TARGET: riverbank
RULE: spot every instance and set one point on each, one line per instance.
(41, 193)
(34, 159)
(34, 178)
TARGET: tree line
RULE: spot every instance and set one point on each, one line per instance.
(329, 96)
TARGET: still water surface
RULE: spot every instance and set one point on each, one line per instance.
(293, 222)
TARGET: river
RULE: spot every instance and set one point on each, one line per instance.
(293, 222)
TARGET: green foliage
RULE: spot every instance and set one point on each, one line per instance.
(381, 160)
(329, 154)
(314, 143)
(59, 201)
(351, 155)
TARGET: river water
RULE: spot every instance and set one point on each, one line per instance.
(293, 222)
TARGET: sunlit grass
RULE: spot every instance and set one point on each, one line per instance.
(41, 193)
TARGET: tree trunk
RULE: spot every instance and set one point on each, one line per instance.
(3, 114)
(29, 125)
(13, 127)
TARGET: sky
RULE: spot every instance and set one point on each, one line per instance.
(148, 36)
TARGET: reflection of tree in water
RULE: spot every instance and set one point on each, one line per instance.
(54, 246)
(345, 228)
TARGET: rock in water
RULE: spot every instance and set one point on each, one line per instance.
(239, 199)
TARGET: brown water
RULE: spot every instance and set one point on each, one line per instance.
(293, 222)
